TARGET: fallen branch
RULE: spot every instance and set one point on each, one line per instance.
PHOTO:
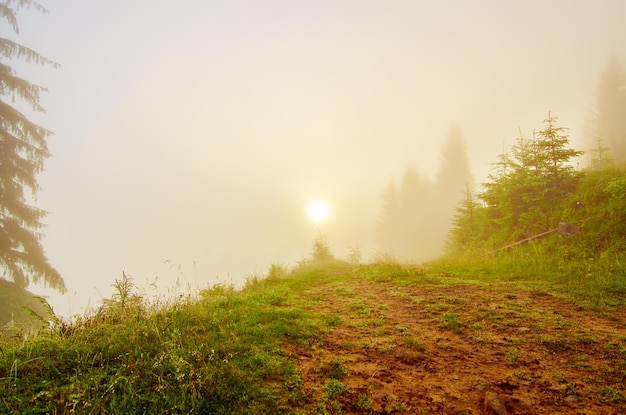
(523, 241)
(564, 229)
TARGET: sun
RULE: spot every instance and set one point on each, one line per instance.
(318, 211)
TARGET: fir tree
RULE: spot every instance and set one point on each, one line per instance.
(417, 210)
(453, 180)
(552, 151)
(465, 223)
(389, 225)
(23, 150)
(601, 157)
(608, 120)
(532, 180)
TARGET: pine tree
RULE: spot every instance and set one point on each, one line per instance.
(321, 251)
(453, 176)
(454, 171)
(465, 230)
(553, 161)
(453, 179)
(389, 225)
(23, 150)
(552, 154)
(417, 216)
(609, 116)
(537, 177)
(601, 156)
(406, 226)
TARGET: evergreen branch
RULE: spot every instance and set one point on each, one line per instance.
(8, 14)
(13, 50)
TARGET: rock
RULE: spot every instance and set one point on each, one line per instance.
(494, 404)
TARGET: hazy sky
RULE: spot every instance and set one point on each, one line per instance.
(197, 131)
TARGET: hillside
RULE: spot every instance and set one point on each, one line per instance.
(334, 338)
(535, 328)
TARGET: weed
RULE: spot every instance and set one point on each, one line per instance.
(386, 347)
(484, 313)
(414, 344)
(360, 309)
(124, 300)
(277, 271)
(321, 407)
(333, 320)
(363, 403)
(480, 339)
(555, 345)
(333, 388)
(398, 406)
(378, 322)
(581, 361)
(335, 370)
(513, 356)
(404, 330)
(585, 339)
(613, 394)
(451, 321)
(475, 326)
(513, 340)
(570, 389)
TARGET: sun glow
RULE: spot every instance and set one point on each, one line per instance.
(318, 211)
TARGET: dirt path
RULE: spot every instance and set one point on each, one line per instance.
(462, 350)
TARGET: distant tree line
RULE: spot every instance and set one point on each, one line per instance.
(529, 191)
(606, 134)
(416, 212)
(534, 186)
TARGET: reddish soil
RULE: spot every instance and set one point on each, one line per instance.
(462, 350)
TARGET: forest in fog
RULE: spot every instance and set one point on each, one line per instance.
(526, 193)
(189, 155)
(312, 207)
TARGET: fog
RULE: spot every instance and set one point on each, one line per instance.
(190, 136)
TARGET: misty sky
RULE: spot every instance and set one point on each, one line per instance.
(196, 132)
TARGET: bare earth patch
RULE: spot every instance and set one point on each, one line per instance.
(461, 350)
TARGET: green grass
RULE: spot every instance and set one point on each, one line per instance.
(224, 352)
(451, 321)
(220, 353)
(552, 265)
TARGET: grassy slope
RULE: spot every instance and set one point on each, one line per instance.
(220, 354)
(223, 353)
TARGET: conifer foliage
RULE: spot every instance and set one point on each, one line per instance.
(23, 150)
(525, 194)
(608, 120)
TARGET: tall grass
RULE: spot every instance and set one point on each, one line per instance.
(216, 354)
(567, 266)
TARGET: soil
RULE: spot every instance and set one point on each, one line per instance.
(461, 349)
